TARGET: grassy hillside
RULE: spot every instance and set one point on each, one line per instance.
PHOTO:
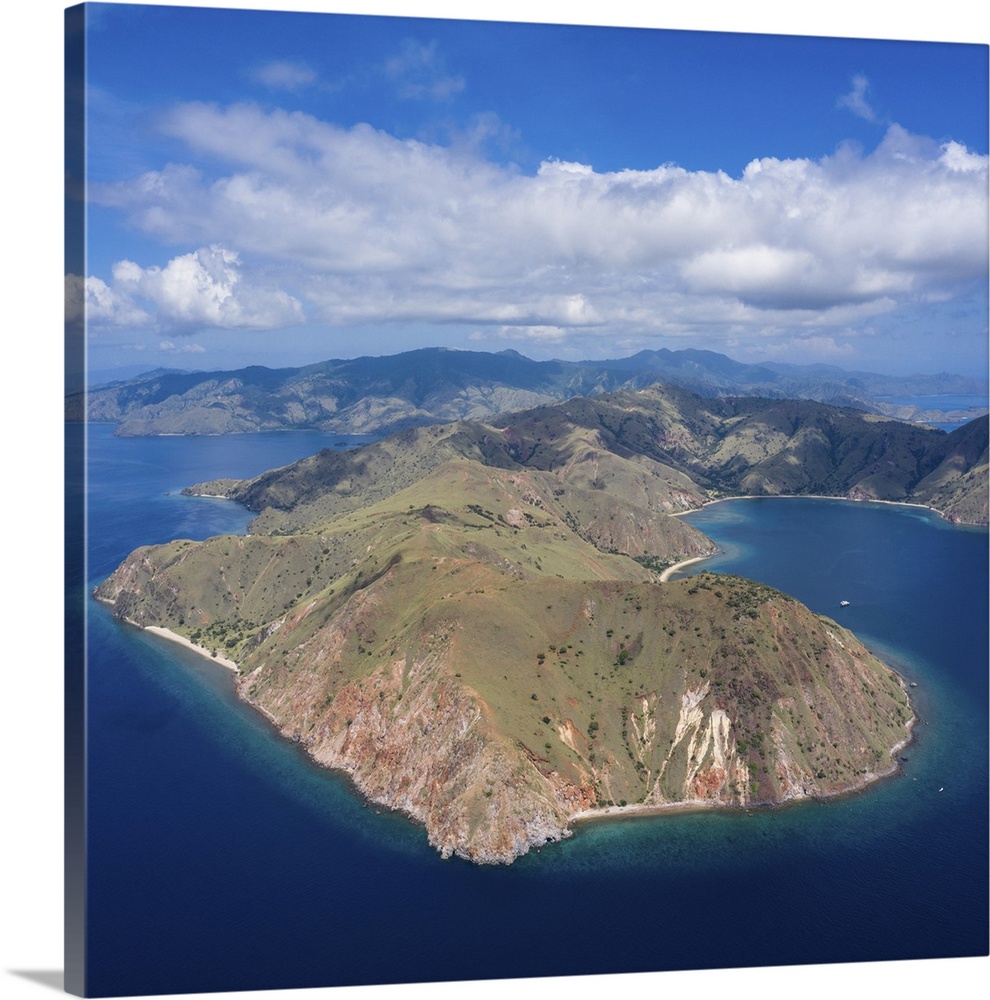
(468, 621)
(661, 449)
(957, 486)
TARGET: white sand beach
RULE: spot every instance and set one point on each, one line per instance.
(167, 633)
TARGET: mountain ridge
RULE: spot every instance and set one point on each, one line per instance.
(380, 395)
(669, 447)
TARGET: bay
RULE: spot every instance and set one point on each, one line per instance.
(966, 405)
(220, 858)
(941, 401)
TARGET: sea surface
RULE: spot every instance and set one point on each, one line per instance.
(946, 402)
(941, 401)
(219, 858)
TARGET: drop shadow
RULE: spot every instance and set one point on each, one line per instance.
(52, 978)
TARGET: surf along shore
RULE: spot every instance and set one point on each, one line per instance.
(167, 633)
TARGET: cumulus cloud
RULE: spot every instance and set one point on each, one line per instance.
(92, 299)
(204, 288)
(955, 156)
(372, 228)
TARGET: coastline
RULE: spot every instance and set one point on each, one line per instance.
(671, 570)
(639, 809)
(642, 809)
(607, 813)
(815, 496)
(167, 633)
(677, 567)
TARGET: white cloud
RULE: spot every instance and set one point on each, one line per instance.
(186, 348)
(956, 156)
(200, 289)
(856, 100)
(365, 227)
(420, 74)
(93, 300)
(285, 74)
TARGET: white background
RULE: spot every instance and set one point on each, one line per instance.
(30, 612)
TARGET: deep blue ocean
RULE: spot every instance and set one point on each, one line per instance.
(220, 859)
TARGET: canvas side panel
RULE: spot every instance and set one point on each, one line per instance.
(75, 518)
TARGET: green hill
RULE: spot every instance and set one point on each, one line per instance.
(467, 618)
(661, 448)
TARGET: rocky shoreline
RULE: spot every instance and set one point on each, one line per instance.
(526, 813)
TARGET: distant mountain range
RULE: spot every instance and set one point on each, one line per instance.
(380, 395)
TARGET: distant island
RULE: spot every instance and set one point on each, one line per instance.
(382, 395)
(467, 618)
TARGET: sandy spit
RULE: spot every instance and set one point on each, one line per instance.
(167, 633)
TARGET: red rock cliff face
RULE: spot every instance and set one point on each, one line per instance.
(415, 739)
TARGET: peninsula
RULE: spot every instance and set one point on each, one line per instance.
(468, 618)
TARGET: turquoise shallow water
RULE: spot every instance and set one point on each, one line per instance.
(221, 859)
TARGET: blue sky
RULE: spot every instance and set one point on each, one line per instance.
(278, 188)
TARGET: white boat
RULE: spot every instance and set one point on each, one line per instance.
(843, 604)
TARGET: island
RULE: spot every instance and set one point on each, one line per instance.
(469, 618)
